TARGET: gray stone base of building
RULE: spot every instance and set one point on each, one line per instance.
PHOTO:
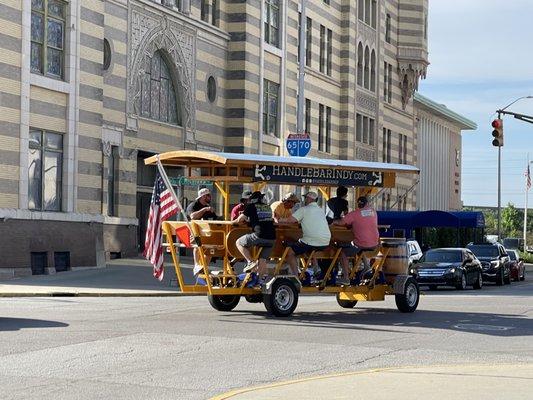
(46, 247)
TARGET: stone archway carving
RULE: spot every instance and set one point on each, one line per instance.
(151, 33)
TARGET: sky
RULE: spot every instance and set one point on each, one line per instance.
(481, 59)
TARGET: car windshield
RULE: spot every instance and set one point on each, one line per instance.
(484, 251)
(447, 256)
(512, 255)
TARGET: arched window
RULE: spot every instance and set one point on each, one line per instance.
(158, 92)
(366, 76)
(373, 71)
(360, 65)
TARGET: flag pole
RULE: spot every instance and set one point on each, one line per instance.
(164, 176)
(525, 205)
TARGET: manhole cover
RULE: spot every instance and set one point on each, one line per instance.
(479, 327)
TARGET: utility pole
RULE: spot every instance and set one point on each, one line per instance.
(301, 68)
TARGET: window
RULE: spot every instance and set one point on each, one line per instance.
(272, 22)
(211, 89)
(308, 42)
(364, 129)
(361, 10)
(48, 37)
(359, 128)
(107, 55)
(328, 129)
(299, 44)
(367, 11)
(329, 52)
(322, 48)
(371, 132)
(373, 14)
(387, 82)
(307, 116)
(402, 149)
(270, 108)
(373, 71)
(366, 74)
(321, 127)
(45, 170)
(214, 12)
(158, 95)
(326, 2)
(387, 29)
(112, 180)
(324, 128)
(360, 62)
(387, 135)
(203, 10)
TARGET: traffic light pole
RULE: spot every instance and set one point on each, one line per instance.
(499, 189)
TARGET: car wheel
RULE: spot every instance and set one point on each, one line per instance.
(346, 303)
(407, 302)
(462, 283)
(478, 284)
(507, 279)
(283, 299)
(223, 302)
(499, 278)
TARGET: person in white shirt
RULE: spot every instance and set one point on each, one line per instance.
(315, 229)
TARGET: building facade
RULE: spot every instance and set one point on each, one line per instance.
(438, 132)
(91, 87)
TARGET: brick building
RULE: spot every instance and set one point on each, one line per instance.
(88, 88)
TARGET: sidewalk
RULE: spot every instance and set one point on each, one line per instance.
(468, 382)
(121, 277)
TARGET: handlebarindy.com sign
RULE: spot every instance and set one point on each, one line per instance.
(317, 176)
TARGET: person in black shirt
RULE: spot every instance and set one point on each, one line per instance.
(337, 207)
(200, 209)
(259, 218)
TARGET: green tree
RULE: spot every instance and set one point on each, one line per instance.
(511, 221)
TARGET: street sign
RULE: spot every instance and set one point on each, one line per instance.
(183, 181)
(316, 176)
(298, 144)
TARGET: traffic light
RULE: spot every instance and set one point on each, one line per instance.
(497, 124)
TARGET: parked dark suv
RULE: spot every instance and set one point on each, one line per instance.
(494, 261)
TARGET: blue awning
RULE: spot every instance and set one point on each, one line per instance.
(432, 218)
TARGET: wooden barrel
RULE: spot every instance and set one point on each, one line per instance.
(396, 262)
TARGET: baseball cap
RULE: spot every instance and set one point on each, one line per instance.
(311, 195)
(256, 196)
(290, 197)
(246, 195)
(202, 192)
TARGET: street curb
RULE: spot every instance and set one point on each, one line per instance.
(250, 389)
(90, 294)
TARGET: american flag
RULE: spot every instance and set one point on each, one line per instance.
(162, 208)
(528, 178)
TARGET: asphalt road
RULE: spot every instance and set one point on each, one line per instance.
(180, 348)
